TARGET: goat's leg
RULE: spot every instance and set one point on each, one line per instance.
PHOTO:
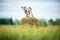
(31, 14)
(27, 15)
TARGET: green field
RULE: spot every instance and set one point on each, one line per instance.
(16, 32)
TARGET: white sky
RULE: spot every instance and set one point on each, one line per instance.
(41, 9)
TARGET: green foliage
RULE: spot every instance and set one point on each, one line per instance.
(57, 22)
(29, 20)
(5, 35)
(6, 21)
(42, 22)
(51, 22)
(17, 33)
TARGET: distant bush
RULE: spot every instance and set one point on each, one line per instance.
(42, 22)
(52, 22)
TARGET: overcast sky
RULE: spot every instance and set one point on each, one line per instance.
(46, 9)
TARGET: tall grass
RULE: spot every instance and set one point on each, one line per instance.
(15, 32)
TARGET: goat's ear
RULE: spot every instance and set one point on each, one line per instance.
(30, 7)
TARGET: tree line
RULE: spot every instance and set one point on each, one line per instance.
(52, 22)
(6, 21)
(41, 22)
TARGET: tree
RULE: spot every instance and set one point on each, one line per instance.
(42, 22)
(11, 21)
(6, 21)
(51, 22)
(57, 22)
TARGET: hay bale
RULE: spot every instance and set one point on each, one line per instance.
(29, 22)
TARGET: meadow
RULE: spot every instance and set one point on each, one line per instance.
(16, 32)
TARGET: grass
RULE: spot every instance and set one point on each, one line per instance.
(16, 32)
